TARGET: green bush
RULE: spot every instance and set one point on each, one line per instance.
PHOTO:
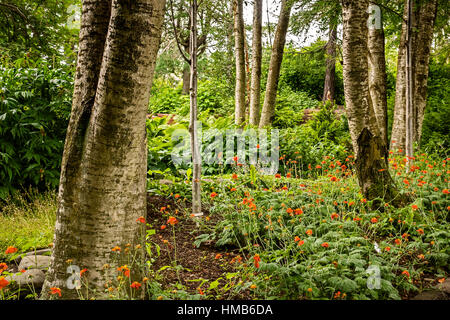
(35, 103)
(436, 127)
(305, 71)
(322, 136)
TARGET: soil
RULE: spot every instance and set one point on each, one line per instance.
(205, 262)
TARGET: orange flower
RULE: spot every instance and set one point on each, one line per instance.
(218, 256)
(235, 159)
(135, 285)
(163, 227)
(256, 259)
(387, 249)
(309, 232)
(414, 207)
(125, 270)
(334, 215)
(116, 248)
(288, 175)
(55, 290)
(445, 191)
(172, 220)
(420, 231)
(200, 291)
(140, 219)
(234, 176)
(83, 271)
(3, 282)
(233, 189)
(325, 245)
(364, 200)
(177, 196)
(289, 210)
(3, 267)
(374, 220)
(213, 195)
(278, 176)
(301, 242)
(398, 241)
(334, 178)
(406, 273)
(298, 211)
(10, 250)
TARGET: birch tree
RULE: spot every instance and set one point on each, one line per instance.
(195, 147)
(268, 109)
(255, 91)
(330, 73)
(422, 20)
(103, 177)
(239, 113)
(377, 70)
(370, 149)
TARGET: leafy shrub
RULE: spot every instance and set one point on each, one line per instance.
(436, 127)
(35, 104)
(305, 71)
(322, 136)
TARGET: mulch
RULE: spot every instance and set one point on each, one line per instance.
(198, 263)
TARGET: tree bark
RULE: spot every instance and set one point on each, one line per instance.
(103, 184)
(371, 152)
(330, 74)
(186, 80)
(276, 59)
(239, 113)
(425, 25)
(409, 109)
(255, 87)
(424, 17)
(378, 78)
(195, 148)
(398, 136)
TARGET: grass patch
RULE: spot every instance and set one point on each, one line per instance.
(27, 221)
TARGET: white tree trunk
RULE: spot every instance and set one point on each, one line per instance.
(104, 193)
(195, 148)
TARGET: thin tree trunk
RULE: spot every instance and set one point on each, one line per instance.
(195, 148)
(409, 112)
(276, 59)
(186, 80)
(101, 197)
(398, 136)
(239, 113)
(425, 25)
(424, 16)
(255, 87)
(371, 152)
(378, 79)
(330, 73)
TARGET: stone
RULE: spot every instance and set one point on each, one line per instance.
(39, 252)
(431, 295)
(33, 278)
(34, 262)
(444, 286)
